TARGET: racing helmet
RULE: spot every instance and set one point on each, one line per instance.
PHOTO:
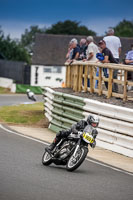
(93, 120)
(28, 90)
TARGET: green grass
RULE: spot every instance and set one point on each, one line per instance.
(25, 114)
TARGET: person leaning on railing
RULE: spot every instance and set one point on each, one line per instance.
(75, 51)
(91, 51)
(129, 61)
(108, 58)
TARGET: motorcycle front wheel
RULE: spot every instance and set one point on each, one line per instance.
(46, 158)
(75, 161)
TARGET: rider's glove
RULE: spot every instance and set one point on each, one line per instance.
(93, 144)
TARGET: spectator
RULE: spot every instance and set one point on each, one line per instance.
(108, 58)
(92, 49)
(129, 61)
(83, 47)
(113, 43)
(69, 53)
(91, 52)
(76, 50)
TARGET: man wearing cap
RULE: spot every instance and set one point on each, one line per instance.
(108, 58)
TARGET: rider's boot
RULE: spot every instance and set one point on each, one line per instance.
(52, 145)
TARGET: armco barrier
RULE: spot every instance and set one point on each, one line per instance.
(116, 123)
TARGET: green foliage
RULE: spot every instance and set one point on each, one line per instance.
(124, 29)
(12, 49)
(69, 28)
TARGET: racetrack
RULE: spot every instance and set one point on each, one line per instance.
(13, 99)
(23, 177)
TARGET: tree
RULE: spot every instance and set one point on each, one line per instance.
(124, 29)
(28, 38)
(69, 28)
(12, 50)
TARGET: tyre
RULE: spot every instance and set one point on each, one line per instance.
(74, 162)
(46, 158)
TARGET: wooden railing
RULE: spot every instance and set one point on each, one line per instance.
(78, 73)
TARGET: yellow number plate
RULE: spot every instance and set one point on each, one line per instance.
(88, 137)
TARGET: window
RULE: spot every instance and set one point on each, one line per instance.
(47, 77)
(57, 69)
(52, 69)
(47, 69)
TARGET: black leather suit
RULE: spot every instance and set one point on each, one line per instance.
(79, 126)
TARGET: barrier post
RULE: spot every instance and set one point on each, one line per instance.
(100, 82)
(85, 78)
(80, 79)
(91, 79)
(110, 83)
(125, 86)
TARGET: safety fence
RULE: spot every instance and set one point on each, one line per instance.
(89, 76)
(116, 123)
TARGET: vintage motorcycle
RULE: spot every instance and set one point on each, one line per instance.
(71, 151)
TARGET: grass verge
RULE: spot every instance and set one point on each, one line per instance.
(23, 114)
(4, 90)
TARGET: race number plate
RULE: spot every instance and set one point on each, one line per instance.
(88, 138)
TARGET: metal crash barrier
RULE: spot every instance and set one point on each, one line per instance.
(116, 123)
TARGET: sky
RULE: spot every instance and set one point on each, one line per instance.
(97, 15)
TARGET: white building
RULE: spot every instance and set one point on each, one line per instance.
(48, 60)
(52, 76)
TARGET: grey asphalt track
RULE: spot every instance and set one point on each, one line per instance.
(23, 177)
(13, 99)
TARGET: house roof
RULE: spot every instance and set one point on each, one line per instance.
(51, 49)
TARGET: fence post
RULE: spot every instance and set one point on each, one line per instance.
(68, 76)
(76, 78)
(110, 83)
(91, 79)
(100, 82)
(125, 86)
(85, 77)
(80, 78)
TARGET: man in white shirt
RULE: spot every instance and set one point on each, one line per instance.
(92, 49)
(91, 52)
(113, 43)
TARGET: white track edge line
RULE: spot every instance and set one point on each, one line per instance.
(22, 135)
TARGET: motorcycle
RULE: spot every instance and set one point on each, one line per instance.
(71, 151)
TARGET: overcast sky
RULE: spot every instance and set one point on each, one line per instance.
(97, 15)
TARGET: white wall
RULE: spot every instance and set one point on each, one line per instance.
(47, 75)
(6, 82)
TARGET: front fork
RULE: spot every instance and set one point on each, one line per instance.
(77, 147)
(79, 143)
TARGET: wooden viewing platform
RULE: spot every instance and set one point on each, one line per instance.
(78, 73)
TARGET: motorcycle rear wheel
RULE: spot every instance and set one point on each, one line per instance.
(73, 163)
(46, 158)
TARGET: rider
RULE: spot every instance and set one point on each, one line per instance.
(93, 121)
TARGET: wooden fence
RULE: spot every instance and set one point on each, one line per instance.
(78, 74)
